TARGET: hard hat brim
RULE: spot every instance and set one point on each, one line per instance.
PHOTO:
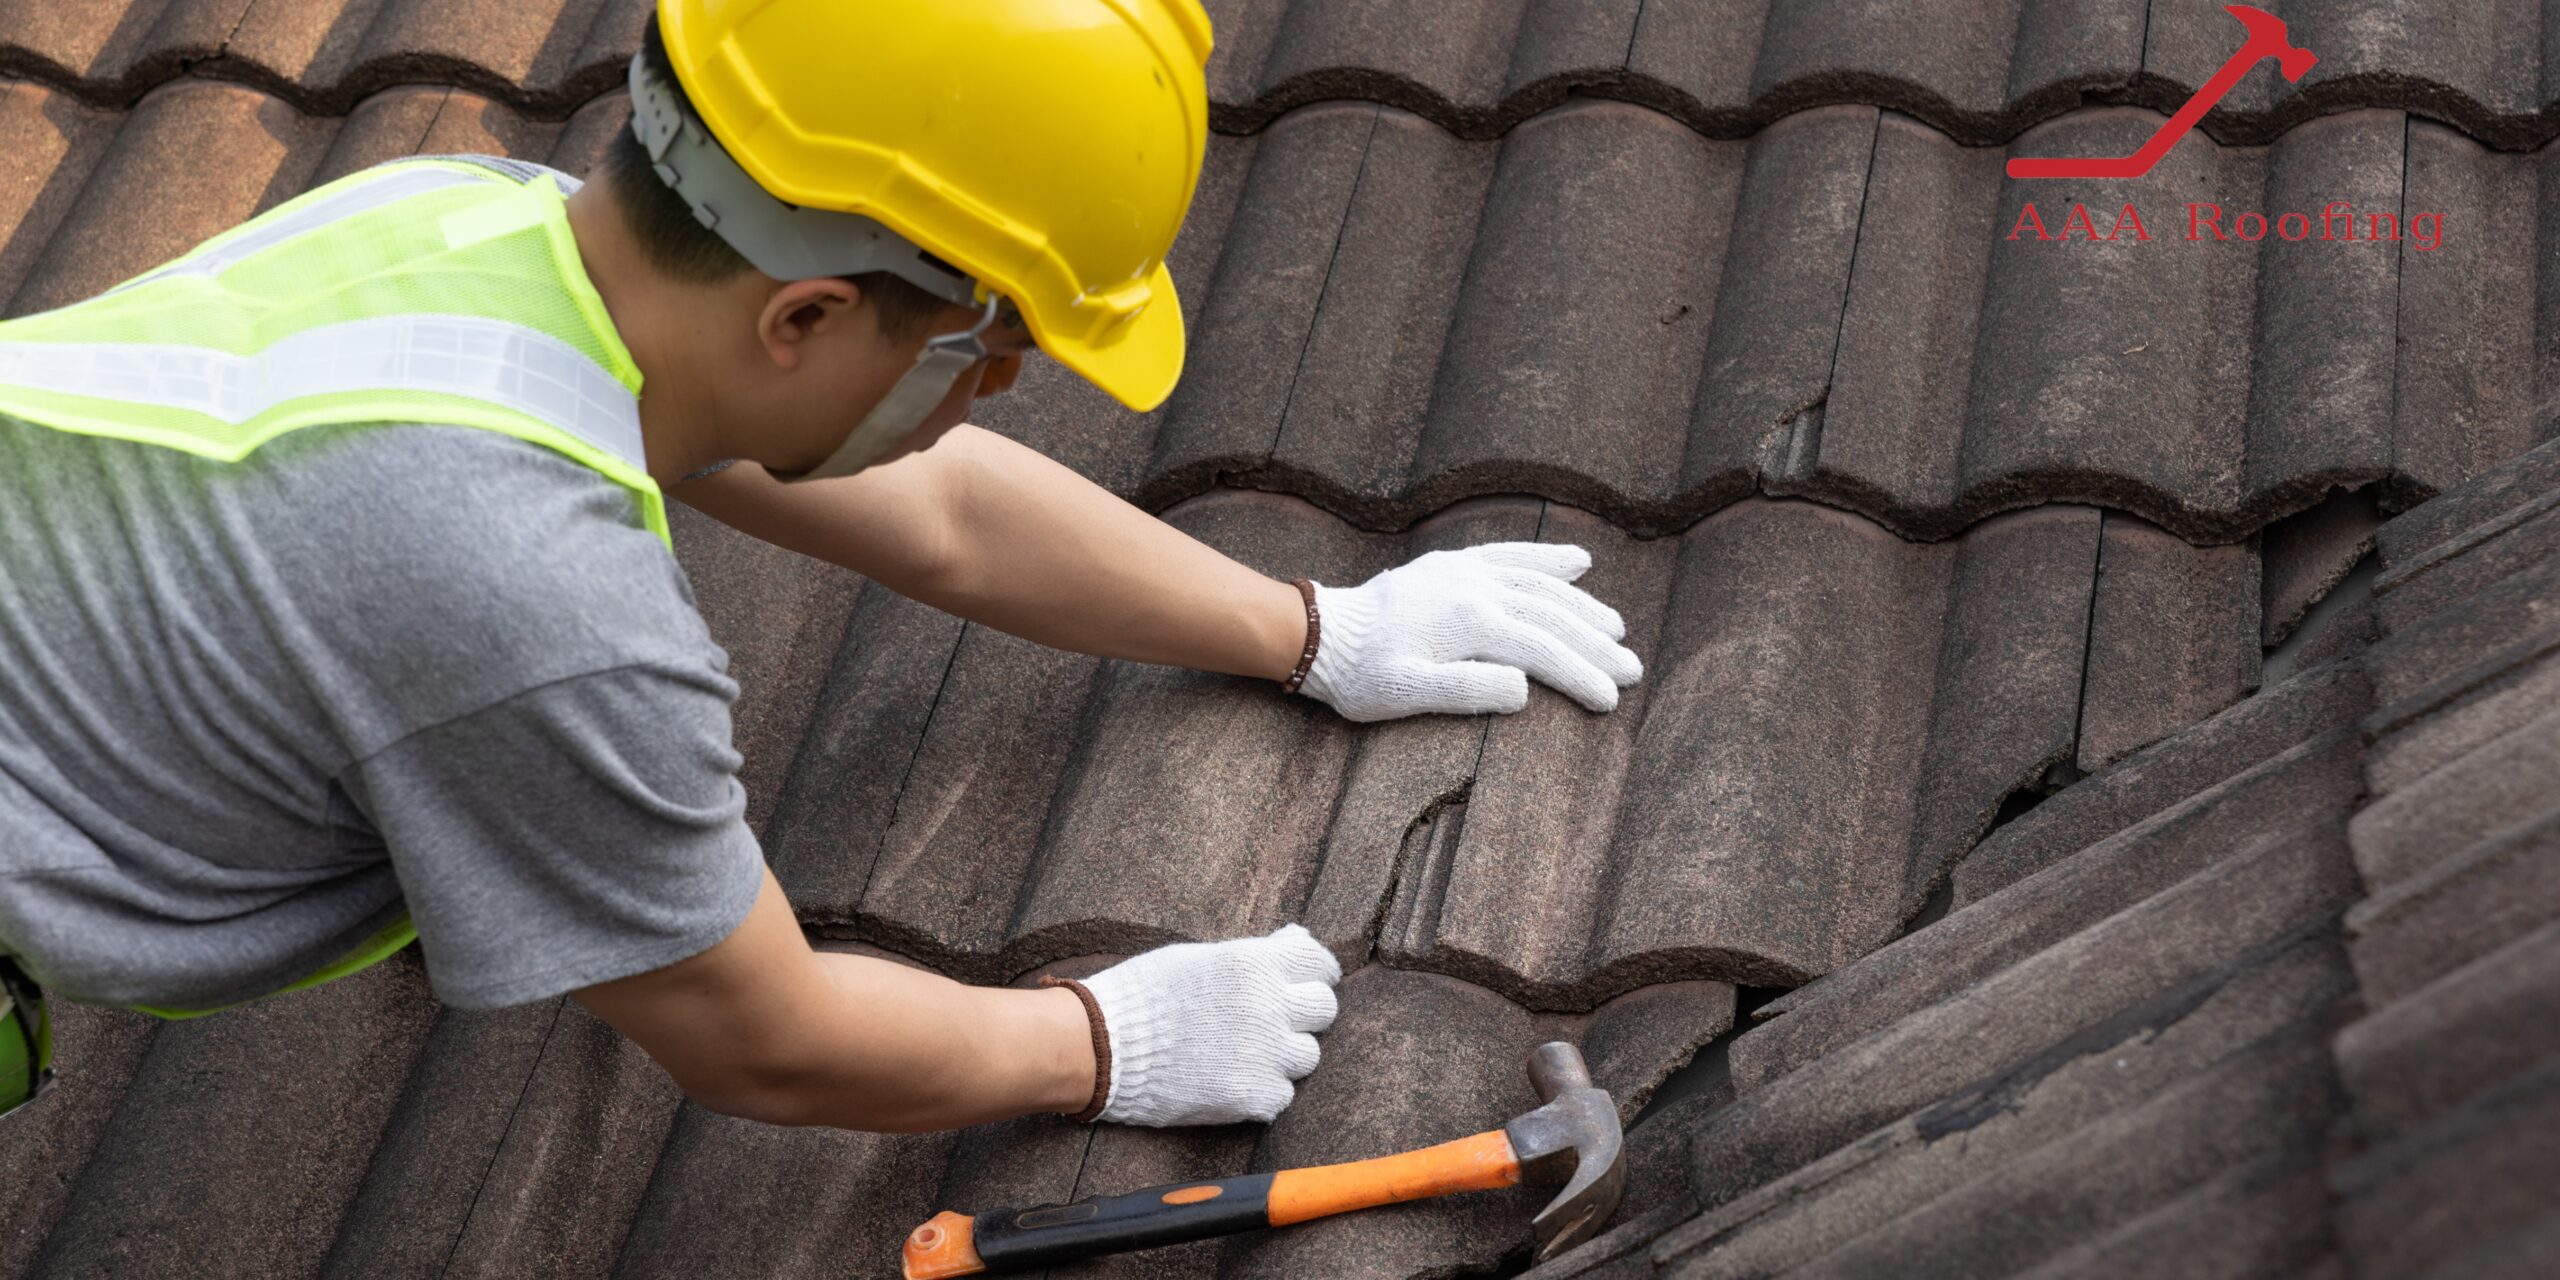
(1139, 360)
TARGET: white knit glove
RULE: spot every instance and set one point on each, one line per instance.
(1214, 1032)
(1462, 632)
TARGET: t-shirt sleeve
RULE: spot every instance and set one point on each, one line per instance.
(581, 831)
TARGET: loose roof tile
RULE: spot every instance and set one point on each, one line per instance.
(2157, 663)
(2108, 971)
(2261, 742)
(2022, 1124)
(1780, 698)
(2301, 560)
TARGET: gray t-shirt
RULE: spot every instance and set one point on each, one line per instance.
(248, 712)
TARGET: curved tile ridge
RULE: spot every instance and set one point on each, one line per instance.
(1606, 310)
(542, 57)
(1982, 73)
(1831, 714)
(90, 197)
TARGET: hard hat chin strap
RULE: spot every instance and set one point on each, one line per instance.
(923, 387)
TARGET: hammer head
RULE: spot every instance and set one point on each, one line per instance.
(1575, 1140)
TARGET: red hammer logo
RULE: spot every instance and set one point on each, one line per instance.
(2268, 38)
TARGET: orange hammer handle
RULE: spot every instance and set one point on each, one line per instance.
(1481, 1163)
(1005, 1241)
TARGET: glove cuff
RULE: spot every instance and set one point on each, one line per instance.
(1349, 614)
(1132, 1023)
(1102, 1090)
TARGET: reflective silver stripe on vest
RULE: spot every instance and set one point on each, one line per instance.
(521, 171)
(488, 360)
(364, 196)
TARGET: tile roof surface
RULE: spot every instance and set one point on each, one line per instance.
(1955, 561)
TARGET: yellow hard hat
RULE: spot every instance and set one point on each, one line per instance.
(1045, 149)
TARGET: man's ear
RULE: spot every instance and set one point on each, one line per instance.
(799, 311)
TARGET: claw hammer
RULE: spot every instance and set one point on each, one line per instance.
(1572, 1138)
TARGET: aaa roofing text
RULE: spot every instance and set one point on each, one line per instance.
(2337, 221)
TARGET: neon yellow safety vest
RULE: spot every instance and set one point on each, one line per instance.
(444, 291)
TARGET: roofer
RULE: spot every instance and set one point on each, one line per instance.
(337, 606)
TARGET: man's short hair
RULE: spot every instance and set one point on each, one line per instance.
(680, 247)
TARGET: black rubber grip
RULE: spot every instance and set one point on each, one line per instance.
(1019, 1239)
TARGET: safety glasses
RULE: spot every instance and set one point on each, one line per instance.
(26, 1039)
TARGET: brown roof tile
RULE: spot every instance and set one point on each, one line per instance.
(2424, 1051)
(993, 861)
(94, 1054)
(2017, 1126)
(1723, 67)
(191, 160)
(48, 145)
(2453, 1073)
(112, 50)
(1601, 307)
(1438, 296)
(252, 1128)
(2262, 742)
(567, 1172)
(2173, 638)
(2264, 1217)
(2458, 1186)
(424, 1176)
(2302, 559)
(2466, 905)
(2175, 942)
(1415, 1059)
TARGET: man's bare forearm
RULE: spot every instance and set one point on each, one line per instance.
(975, 1054)
(762, 1026)
(1001, 535)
